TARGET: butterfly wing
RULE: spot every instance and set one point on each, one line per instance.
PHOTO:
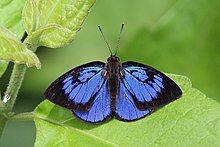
(78, 88)
(100, 110)
(148, 87)
(126, 109)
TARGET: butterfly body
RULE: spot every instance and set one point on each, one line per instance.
(97, 91)
(113, 74)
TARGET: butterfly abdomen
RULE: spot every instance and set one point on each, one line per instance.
(113, 86)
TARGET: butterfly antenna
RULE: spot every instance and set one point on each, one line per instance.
(105, 40)
(118, 43)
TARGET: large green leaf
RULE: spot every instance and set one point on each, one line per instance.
(11, 49)
(192, 120)
(53, 23)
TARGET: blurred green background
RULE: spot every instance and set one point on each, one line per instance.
(174, 36)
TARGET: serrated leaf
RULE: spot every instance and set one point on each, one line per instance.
(67, 16)
(11, 49)
(3, 67)
(192, 120)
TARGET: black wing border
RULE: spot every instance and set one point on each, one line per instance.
(55, 94)
(169, 93)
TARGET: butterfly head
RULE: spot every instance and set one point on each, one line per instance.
(113, 59)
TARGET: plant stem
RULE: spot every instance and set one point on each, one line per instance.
(15, 82)
(14, 85)
(22, 116)
(12, 90)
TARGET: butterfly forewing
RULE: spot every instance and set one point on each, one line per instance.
(77, 89)
(148, 87)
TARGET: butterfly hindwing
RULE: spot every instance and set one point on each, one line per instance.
(126, 109)
(77, 89)
(100, 109)
(148, 87)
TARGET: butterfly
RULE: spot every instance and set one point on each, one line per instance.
(98, 91)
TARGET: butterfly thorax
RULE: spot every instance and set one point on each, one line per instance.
(113, 74)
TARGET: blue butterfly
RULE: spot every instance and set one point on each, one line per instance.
(98, 91)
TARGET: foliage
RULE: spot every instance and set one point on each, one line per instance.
(43, 27)
(11, 49)
(54, 23)
(159, 33)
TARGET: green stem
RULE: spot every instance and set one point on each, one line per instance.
(15, 82)
(14, 85)
(12, 90)
(22, 116)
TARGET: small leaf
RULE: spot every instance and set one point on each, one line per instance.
(3, 67)
(11, 49)
(62, 19)
(30, 16)
(52, 36)
(191, 120)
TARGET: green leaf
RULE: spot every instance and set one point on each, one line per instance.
(11, 49)
(192, 120)
(53, 23)
(30, 16)
(3, 67)
(10, 11)
(52, 35)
